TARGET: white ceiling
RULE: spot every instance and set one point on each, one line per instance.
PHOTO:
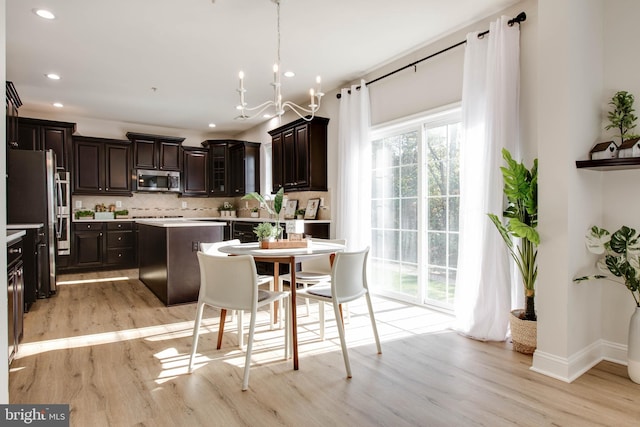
(110, 54)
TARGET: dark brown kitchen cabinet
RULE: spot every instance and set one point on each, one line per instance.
(104, 245)
(195, 171)
(13, 103)
(101, 166)
(299, 155)
(234, 167)
(88, 243)
(244, 168)
(156, 151)
(120, 245)
(36, 134)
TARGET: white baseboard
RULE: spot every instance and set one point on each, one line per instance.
(568, 369)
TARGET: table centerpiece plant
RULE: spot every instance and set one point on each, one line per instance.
(274, 212)
(620, 262)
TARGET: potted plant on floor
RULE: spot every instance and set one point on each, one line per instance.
(620, 263)
(521, 214)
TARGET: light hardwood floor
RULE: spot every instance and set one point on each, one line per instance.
(111, 350)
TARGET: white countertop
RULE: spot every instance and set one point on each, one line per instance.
(178, 222)
(203, 219)
(24, 226)
(14, 235)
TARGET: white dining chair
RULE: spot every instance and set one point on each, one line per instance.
(213, 248)
(230, 283)
(313, 270)
(348, 283)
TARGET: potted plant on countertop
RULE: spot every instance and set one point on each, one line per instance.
(620, 263)
(255, 212)
(227, 210)
(300, 213)
(521, 190)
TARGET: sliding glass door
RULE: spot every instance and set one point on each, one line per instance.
(415, 199)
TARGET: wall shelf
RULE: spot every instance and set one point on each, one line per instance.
(610, 164)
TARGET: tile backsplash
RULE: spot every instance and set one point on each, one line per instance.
(163, 204)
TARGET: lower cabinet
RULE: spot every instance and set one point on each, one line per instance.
(104, 245)
(15, 296)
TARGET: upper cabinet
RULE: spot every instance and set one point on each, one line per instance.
(101, 166)
(299, 155)
(195, 173)
(234, 167)
(156, 151)
(36, 134)
(13, 103)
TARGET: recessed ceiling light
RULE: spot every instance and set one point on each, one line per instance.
(43, 13)
(53, 76)
(212, 125)
(58, 104)
(289, 74)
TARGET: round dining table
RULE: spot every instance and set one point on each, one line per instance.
(285, 255)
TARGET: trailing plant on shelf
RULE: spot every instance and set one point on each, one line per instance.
(622, 117)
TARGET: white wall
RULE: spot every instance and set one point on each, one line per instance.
(620, 202)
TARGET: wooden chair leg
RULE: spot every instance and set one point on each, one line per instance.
(223, 315)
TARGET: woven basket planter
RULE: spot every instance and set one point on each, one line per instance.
(524, 333)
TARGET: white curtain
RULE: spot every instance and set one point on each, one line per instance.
(266, 183)
(353, 191)
(490, 122)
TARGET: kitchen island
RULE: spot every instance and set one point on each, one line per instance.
(168, 263)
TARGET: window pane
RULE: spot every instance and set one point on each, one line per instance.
(437, 249)
(391, 213)
(390, 244)
(410, 148)
(454, 213)
(410, 246)
(437, 213)
(409, 181)
(409, 218)
(437, 285)
(453, 250)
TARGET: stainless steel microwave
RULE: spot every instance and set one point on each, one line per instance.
(154, 180)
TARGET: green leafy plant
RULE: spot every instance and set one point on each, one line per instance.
(277, 201)
(301, 211)
(84, 214)
(254, 209)
(266, 230)
(277, 204)
(226, 206)
(621, 258)
(123, 212)
(622, 117)
(521, 214)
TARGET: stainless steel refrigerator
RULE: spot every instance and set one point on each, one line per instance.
(32, 198)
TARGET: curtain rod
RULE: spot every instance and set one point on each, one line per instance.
(517, 20)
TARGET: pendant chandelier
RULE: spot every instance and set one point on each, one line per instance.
(315, 95)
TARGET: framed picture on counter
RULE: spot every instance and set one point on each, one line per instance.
(312, 209)
(290, 209)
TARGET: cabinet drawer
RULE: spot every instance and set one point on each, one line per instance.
(122, 256)
(120, 239)
(119, 226)
(88, 226)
